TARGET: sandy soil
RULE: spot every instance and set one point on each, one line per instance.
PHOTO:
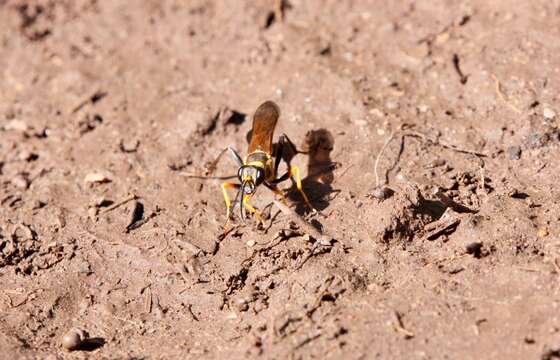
(106, 105)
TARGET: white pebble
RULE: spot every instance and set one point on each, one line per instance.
(548, 113)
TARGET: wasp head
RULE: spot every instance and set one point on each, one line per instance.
(250, 177)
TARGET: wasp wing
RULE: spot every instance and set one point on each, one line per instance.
(264, 122)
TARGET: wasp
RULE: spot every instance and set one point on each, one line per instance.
(261, 164)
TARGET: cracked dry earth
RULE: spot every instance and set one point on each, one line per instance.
(432, 137)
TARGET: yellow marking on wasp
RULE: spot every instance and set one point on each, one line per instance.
(226, 186)
(251, 208)
(257, 163)
(295, 174)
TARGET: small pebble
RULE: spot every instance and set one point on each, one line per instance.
(26, 155)
(423, 108)
(96, 178)
(20, 182)
(92, 212)
(241, 305)
(73, 339)
(514, 152)
(543, 232)
(381, 193)
(376, 112)
(391, 104)
(16, 125)
(549, 114)
(260, 306)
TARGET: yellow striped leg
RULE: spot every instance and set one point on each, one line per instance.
(295, 175)
(251, 208)
(227, 200)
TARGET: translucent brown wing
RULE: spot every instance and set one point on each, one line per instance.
(264, 123)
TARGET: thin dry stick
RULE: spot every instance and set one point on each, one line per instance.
(501, 94)
(483, 180)
(279, 10)
(120, 203)
(443, 144)
(27, 298)
(399, 326)
(377, 184)
(556, 266)
(195, 250)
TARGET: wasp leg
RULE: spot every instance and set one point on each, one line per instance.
(285, 150)
(250, 207)
(227, 200)
(277, 191)
(295, 175)
(234, 155)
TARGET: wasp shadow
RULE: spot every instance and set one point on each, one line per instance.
(318, 145)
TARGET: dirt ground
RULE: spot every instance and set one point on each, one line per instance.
(433, 139)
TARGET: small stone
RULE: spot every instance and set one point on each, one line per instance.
(96, 178)
(442, 38)
(251, 243)
(26, 155)
(348, 56)
(514, 152)
(325, 240)
(423, 108)
(376, 112)
(543, 232)
(391, 105)
(549, 114)
(241, 305)
(92, 212)
(73, 339)
(20, 182)
(231, 316)
(16, 125)
(381, 193)
(37, 204)
(260, 306)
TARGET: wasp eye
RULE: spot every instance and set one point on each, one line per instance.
(260, 176)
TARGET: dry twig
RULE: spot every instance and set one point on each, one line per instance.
(377, 184)
(501, 94)
(120, 203)
(399, 326)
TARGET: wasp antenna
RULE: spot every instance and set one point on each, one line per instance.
(242, 200)
(235, 156)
